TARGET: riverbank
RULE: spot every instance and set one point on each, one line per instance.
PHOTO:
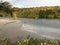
(4, 21)
(13, 29)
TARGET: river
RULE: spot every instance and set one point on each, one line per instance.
(49, 28)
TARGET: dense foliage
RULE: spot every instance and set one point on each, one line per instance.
(5, 9)
(38, 12)
(29, 41)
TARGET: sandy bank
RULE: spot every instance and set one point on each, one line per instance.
(4, 21)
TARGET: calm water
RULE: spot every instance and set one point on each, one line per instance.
(47, 27)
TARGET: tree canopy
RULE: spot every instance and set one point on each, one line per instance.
(5, 7)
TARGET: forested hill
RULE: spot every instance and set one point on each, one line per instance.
(38, 12)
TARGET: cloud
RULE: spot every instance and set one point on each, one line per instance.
(33, 3)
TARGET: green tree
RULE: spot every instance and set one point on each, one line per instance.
(48, 12)
(41, 14)
(5, 7)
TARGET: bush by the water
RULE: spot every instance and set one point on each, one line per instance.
(29, 41)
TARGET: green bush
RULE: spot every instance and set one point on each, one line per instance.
(30, 41)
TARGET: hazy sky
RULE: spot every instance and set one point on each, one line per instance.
(34, 3)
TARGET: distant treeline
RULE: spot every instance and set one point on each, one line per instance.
(36, 12)
(39, 12)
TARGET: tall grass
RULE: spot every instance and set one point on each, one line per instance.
(29, 41)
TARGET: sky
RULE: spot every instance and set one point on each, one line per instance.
(34, 3)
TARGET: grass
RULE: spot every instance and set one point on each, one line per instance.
(29, 41)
